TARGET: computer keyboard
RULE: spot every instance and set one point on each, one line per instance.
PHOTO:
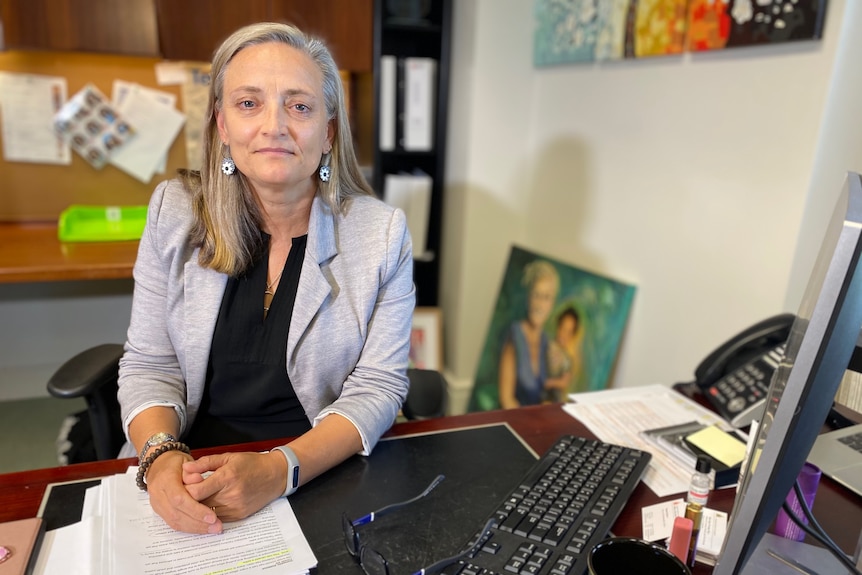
(566, 503)
(853, 441)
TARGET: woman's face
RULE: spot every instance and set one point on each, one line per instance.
(273, 116)
(541, 301)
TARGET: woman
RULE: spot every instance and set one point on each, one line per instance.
(523, 367)
(273, 294)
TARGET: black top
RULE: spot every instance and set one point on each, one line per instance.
(248, 395)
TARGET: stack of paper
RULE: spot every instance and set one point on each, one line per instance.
(120, 533)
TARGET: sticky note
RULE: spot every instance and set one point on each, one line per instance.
(718, 444)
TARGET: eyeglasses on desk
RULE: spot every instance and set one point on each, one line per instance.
(374, 563)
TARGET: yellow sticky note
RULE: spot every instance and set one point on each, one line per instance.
(719, 444)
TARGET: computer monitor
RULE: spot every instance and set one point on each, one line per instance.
(817, 353)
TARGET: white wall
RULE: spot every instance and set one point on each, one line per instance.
(839, 148)
(686, 176)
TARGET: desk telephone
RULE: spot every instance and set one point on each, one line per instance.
(735, 377)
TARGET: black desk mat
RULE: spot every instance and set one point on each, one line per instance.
(481, 465)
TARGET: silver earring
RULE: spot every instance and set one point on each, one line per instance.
(228, 167)
(325, 172)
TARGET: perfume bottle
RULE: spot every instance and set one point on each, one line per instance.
(698, 493)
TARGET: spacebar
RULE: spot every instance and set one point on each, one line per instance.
(538, 471)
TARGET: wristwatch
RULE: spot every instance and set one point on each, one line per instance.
(292, 469)
(157, 439)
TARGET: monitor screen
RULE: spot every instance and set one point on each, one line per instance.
(817, 353)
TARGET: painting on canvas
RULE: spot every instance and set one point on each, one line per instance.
(556, 329)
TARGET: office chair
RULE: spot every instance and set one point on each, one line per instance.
(93, 374)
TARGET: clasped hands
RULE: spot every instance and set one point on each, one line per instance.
(198, 495)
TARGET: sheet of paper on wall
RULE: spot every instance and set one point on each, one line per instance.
(194, 92)
(122, 88)
(158, 125)
(170, 73)
(28, 103)
(411, 193)
(93, 126)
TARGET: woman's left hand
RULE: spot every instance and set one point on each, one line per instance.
(239, 485)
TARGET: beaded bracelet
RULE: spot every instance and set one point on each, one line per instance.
(146, 463)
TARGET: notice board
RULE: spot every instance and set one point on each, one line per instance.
(39, 192)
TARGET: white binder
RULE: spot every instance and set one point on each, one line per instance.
(388, 90)
(420, 79)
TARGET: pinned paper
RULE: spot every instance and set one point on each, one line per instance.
(92, 126)
(719, 445)
(158, 125)
(28, 103)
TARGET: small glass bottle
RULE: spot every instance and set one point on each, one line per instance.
(698, 493)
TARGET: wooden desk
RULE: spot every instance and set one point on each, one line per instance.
(31, 252)
(539, 426)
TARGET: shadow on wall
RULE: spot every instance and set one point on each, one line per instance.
(559, 204)
(559, 214)
(554, 191)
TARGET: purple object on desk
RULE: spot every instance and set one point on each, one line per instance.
(808, 480)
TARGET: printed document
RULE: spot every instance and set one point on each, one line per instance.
(129, 538)
(28, 103)
(619, 415)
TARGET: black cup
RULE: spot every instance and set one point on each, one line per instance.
(630, 556)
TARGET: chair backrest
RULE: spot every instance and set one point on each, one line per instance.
(92, 374)
(427, 396)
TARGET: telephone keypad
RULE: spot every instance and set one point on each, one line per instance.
(738, 395)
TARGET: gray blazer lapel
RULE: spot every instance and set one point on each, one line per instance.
(204, 289)
(314, 285)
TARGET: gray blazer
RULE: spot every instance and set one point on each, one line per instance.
(349, 335)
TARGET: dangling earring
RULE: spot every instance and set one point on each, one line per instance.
(325, 172)
(227, 166)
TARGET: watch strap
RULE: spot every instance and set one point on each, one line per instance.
(292, 469)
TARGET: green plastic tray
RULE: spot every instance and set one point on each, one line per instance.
(101, 223)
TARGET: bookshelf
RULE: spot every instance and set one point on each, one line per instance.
(427, 36)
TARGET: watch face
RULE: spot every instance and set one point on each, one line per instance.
(157, 439)
(160, 437)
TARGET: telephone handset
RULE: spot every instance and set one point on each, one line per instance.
(735, 377)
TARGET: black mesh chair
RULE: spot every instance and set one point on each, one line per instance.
(92, 374)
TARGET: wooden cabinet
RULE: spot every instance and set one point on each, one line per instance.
(345, 25)
(424, 35)
(120, 27)
(182, 29)
(193, 29)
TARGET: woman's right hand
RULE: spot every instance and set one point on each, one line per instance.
(172, 501)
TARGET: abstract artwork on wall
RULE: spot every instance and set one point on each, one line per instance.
(717, 24)
(570, 31)
(556, 330)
